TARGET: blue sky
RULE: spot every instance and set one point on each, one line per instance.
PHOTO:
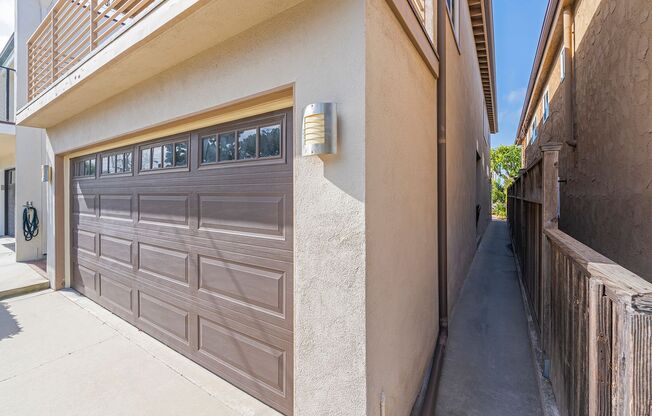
(517, 24)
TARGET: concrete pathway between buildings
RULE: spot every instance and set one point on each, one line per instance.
(488, 367)
(62, 354)
(19, 278)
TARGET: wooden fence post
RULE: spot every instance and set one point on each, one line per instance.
(550, 201)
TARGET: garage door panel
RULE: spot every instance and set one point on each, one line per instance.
(164, 210)
(251, 214)
(164, 316)
(201, 237)
(116, 293)
(164, 263)
(253, 358)
(84, 279)
(84, 205)
(247, 284)
(85, 241)
(116, 207)
(119, 250)
(198, 256)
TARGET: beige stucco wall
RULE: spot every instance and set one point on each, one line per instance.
(365, 287)
(467, 135)
(607, 201)
(401, 213)
(319, 48)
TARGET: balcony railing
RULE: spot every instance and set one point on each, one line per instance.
(7, 79)
(71, 31)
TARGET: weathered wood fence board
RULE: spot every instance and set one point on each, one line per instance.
(594, 316)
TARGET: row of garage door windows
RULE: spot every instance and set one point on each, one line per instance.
(256, 142)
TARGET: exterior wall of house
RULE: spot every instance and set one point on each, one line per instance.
(467, 135)
(318, 48)
(365, 282)
(553, 128)
(401, 213)
(607, 201)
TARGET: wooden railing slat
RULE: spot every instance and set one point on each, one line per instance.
(70, 32)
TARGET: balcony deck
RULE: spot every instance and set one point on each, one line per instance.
(72, 77)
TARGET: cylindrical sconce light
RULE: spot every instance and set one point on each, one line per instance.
(319, 129)
(46, 173)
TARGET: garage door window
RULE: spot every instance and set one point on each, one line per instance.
(164, 156)
(84, 168)
(250, 143)
(117, 163)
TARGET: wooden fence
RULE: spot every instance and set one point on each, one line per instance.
(524, 208)
(71, 31)
(594, 316)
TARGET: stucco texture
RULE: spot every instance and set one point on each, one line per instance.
(552, 129)
(318, 48)
(365, 255)
(467, 135)
(607, 200)
(401, 214)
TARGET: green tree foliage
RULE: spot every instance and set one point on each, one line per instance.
(505, 164)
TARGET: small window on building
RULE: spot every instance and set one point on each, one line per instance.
(169, 155)
(84, 168)
(533, 130)
(546, 106)
(562, 63)
(453, 9)
(420, 9)
(249, 143)
(119, 162)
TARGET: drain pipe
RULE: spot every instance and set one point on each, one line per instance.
(442, 230)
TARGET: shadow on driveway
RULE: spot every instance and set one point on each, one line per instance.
(8, 324)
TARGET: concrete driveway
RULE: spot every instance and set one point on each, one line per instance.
(18, 278)
(62, 354)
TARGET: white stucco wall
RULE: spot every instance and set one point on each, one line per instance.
(401, 210)
(318, 47)
(30, 143)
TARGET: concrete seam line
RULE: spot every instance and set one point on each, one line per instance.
(546, 394)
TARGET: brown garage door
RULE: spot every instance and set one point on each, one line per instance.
(190, 239)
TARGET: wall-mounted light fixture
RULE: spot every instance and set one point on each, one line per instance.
(319, 129)
(46, 173)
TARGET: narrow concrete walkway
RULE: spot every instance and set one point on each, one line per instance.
(18, 278)
(488, 367)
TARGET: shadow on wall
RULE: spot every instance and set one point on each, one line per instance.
(8, 324)
(10, 246)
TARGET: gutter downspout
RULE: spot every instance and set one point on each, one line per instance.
(442, 229)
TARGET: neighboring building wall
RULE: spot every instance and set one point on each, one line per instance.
(319, 48)
(467, 133)
(553, 128)
(401, 211)
(606, 196)
(607, 201)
